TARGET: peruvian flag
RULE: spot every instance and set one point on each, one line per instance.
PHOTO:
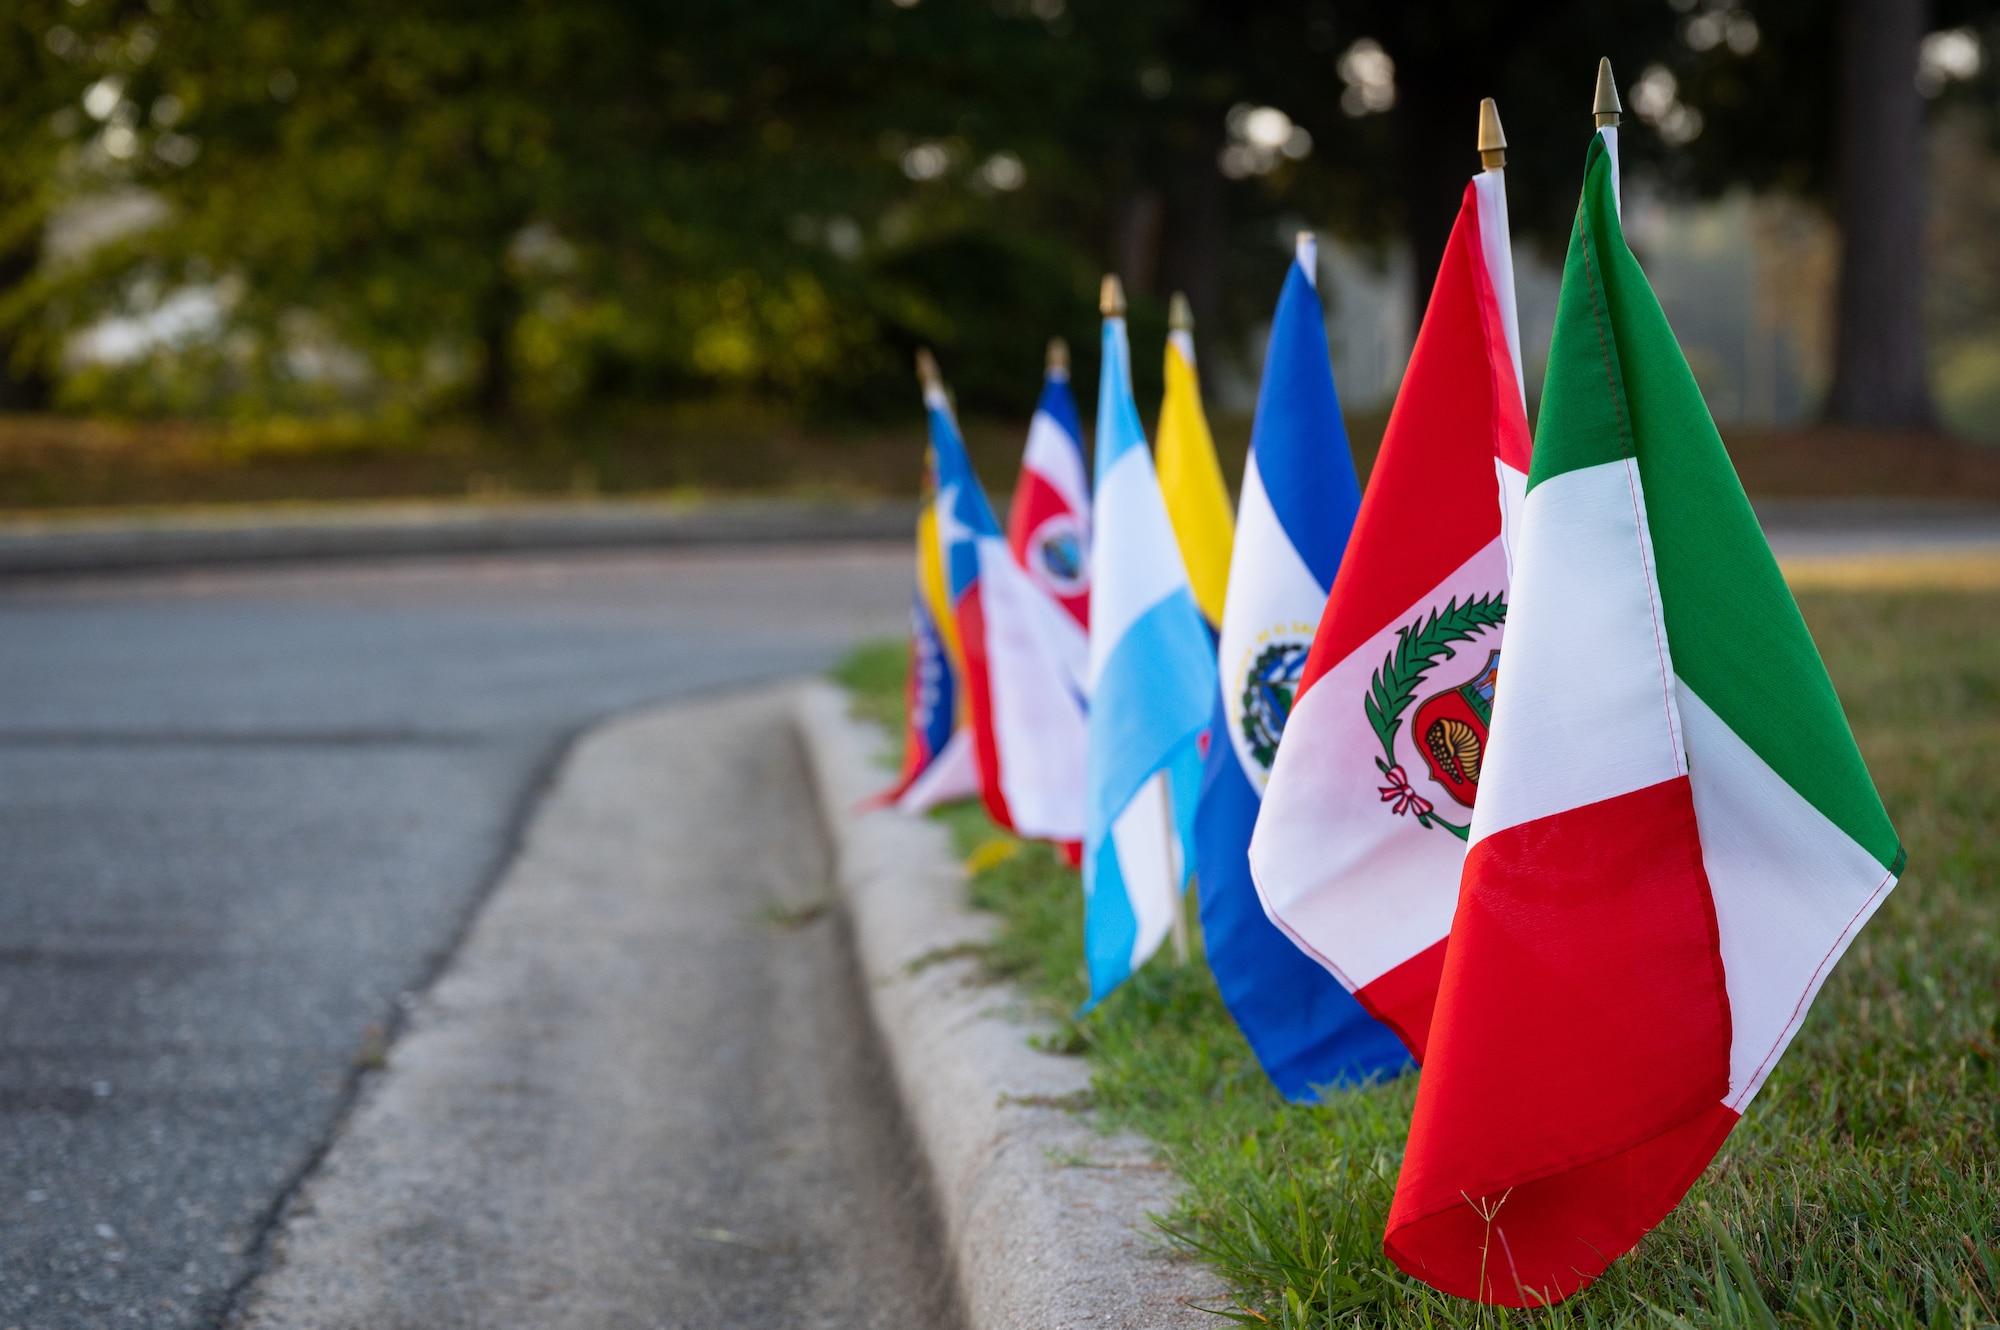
(1024, 656)
(1675, 837)
(1048, 525)
(1362, 833)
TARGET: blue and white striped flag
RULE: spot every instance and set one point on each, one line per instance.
(1292, 523)
(1152, 691)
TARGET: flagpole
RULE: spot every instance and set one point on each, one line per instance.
(928, 377)
(1111, 304)
(1492, 139)
(1605, 110)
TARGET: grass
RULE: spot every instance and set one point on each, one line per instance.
(1861, 1189)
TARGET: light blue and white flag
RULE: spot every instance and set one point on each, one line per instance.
(1152, 692)
(1299, 499)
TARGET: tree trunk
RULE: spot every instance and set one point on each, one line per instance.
(1197, 229)
(1879, 374)
(1438, 160)
(1136, 246)
(494, 393)
(24, 386)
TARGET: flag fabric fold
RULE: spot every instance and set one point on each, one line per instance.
(1152, 693)
(1675, 837)
(1191, 481)
(1023, 655)
(1298, 504)
(938, 763)
(1048, 522)
(1358, 848)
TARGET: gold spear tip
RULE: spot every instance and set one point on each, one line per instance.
(927, 370)
(1058, 358)
(1111, 297)
(1492, 138)
(1606, 108)
(1180, 314)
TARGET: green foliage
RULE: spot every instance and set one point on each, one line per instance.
(524, 207)
(1858, 1190)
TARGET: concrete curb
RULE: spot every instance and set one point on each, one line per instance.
(1045, 1217)
(31, 546)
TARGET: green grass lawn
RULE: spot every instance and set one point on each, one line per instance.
(1863, 1186)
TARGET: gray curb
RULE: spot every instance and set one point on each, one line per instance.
(1046, 1219)
(180, 540)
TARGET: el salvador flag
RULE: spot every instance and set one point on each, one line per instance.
(1152, 691)
(1297, 508)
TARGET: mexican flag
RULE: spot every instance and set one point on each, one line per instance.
(1675, 837)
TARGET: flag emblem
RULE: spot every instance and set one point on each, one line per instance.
(1448, 733)
(1266, 692)
(1453, 725)
(1057, 550)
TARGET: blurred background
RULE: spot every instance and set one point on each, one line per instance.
(289, 250)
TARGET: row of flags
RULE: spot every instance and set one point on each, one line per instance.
(1593, 894)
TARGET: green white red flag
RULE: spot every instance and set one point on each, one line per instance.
(1675, 837)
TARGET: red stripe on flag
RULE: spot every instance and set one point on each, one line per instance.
(1403, 997)
(971, 615)
(1035, 502)
(1433, 498)
(1578, 1055)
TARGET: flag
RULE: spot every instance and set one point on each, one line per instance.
(1048, 524)
(1024, 656)
(1358, 847)
(1190, 478)
(1152, 692)
(1675, 838)
(938, 762)
(1299, 498)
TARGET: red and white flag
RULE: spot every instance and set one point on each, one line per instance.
(1362, 833)
(1675, 840)
(1048, 524)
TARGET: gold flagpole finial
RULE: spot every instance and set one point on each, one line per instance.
(1111, 297)
(1492, 138)
(1180, 314)
(1606, 108)
(1058, 357)
(927, 370)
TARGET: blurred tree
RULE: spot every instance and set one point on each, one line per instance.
(41, 86)
(1827, 104)
(523, 205)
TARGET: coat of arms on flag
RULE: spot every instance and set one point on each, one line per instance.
(1447, 735)
(1675, 837)
(1363, 832)
(1048, 524)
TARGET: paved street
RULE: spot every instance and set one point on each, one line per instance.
(243, 813)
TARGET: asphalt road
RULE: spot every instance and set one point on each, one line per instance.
(245, 814)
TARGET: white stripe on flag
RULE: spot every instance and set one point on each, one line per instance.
(1149, 861)
(1496, 249)
(1033, 651)
(1055, 458)
(1791, 890)
(1585, 707)
(1272, 598)
(1132, 521)
(1359, 888)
